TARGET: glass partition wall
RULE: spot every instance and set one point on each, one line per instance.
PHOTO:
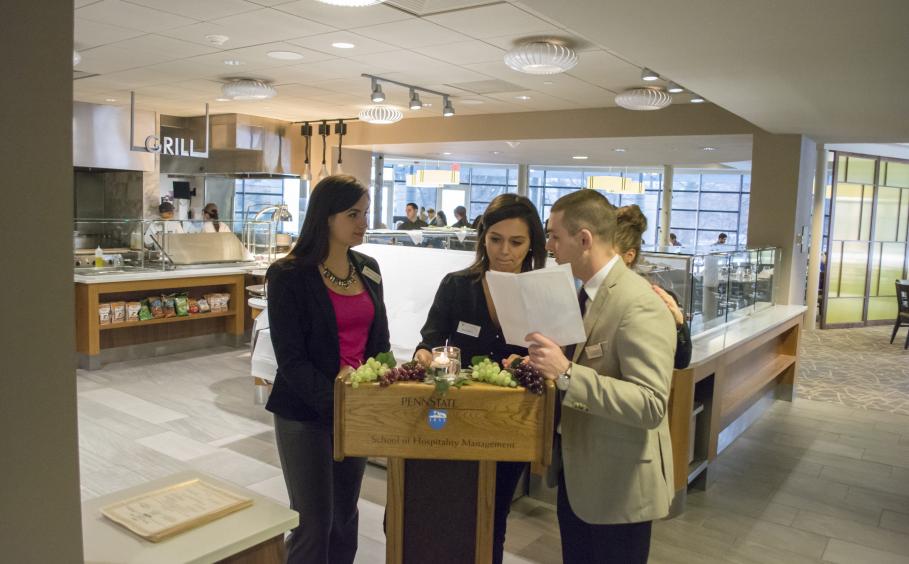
(866, 244)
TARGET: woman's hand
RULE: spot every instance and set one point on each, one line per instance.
(670, 303)
(507, 362)
(345, 370)
(424, 357)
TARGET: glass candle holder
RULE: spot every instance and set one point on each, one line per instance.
(446, 364)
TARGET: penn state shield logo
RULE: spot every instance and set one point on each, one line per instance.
(437, 418)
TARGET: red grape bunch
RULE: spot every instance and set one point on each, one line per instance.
(528, 377)
(411, 371)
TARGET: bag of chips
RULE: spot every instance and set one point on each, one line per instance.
(181, 305)
(170, 309)
(145, 312)
(193, 306)
(204, 306)
(156, 306)
(104, 314)
(117, 312)
(132, 311)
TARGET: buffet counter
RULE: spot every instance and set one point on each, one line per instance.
(132, 313)
(736, 372)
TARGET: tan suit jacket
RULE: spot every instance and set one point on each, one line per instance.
(615, 447)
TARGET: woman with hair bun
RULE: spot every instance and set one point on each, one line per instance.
(632, 224)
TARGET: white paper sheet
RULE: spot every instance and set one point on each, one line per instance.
(543, 301)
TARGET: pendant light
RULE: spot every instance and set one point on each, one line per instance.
(341, 130)
(324, 130)
(306, 132)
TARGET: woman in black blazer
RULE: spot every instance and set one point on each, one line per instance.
(510, 239)
(326, 315)
(632, 223)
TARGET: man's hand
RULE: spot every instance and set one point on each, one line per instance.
(546, 356)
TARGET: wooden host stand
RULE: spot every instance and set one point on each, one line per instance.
(441, 482)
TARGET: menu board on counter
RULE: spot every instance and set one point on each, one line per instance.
(175, 509)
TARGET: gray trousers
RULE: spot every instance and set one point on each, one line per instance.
(322, 491)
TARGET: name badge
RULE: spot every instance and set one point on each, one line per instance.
(372, 275)
(594, 351)
(469, 329)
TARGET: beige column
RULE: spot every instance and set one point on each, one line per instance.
(666, 206)
(817, 236)
(40, 507)
(782, 173)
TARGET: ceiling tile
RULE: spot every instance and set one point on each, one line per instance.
(344, 17)
(199, 9)
(118, 13)
(164, 46)
(128, 79)
(464, 52)
(362, 45)
(493, 20)
(113, 58)
(251, 28)
(606, 70)
(411, 33)
(88, 33)
(256, 57)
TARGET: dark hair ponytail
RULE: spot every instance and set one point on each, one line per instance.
(332, 195)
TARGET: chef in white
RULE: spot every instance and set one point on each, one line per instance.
(165, 214)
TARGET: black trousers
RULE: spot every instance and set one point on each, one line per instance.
(584, 543)
(507, 476)
(322, 491)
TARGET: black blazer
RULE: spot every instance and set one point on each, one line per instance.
(304, 332)
(460, 299)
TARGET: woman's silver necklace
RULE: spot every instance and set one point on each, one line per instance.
(337, 280)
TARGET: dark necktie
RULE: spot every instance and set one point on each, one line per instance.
(582, 303)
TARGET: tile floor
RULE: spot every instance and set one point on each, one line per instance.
(811, 481)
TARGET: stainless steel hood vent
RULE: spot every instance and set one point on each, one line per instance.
(240, 144)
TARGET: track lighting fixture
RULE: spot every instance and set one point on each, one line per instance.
(415, 103)
(649, 75)
(389, 114)
(377, 95)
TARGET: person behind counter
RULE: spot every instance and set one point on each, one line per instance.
(511, 239)
(413, 220)
(166, 225)
(630, 229)
(327, 315)
(460, 214)
(210, 220)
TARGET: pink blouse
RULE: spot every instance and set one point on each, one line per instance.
(354, 315)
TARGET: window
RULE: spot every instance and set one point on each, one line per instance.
(252, 195)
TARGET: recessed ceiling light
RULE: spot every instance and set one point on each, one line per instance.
(427, 104)
(446, 153)
(649, 75)
(285, 55)
(469, 102)
(695, 99)
(495, 152)
(233, 62)
(547, 82)
(580, 157)
(343, 45)
(222, 99)
(708, 148)
(674, 88)
(619, 150)
(522, 97)
(216, 39)
(110, 99)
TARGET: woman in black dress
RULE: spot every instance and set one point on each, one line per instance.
(510, 239)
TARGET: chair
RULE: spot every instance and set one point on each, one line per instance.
(902, 298)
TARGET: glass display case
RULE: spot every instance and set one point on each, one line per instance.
(132, 245)
(714, 287)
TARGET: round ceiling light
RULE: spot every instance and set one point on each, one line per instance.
(248, 89)
(285, 55)
(351, 3)
(541, 57)
(643, 99)
(381, 114)
(77, 58)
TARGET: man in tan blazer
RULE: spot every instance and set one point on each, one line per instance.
(613, 459)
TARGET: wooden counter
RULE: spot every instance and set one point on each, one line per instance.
(92, 337)
(733, 373)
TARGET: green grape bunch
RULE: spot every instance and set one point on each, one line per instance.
(491, 373)
(369, 371)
